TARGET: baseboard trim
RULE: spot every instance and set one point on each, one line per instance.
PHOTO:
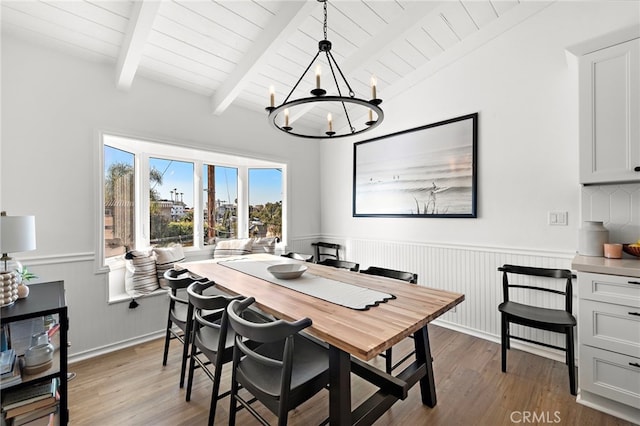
(614, 408)
(553, 354)
(526, 347)
(103, 350)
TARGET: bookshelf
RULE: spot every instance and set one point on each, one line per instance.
(45, 299)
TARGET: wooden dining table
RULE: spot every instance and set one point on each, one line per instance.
(353, 336)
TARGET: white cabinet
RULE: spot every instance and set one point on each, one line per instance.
(609, 89)
(609, 343)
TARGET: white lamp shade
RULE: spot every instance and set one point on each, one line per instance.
(17, 233)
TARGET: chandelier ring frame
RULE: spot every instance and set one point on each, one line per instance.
(371, 104)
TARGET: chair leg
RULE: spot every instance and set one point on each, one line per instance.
(192, 366)
(388, 360)
(233, 392)
(185, 352)
(217, 376)
(283, 414)
(504, 341)
(167, 338)
(571, 362)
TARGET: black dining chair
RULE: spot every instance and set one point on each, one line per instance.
(284, 370)
(212, 339)
(342, 264)
(408, 277)
(326, 250)
(180, 314)
(555, 320)
(299, 256)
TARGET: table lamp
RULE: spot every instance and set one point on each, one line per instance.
(17, 234)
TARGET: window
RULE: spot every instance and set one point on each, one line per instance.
(265, 202)
(170, 202)
(119, 201)
(221, 201)
(155, 194)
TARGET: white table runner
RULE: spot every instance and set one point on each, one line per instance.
(344, 294)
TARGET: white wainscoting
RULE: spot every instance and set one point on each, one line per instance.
(97, 327)
(463, 269)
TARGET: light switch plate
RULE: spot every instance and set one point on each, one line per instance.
(557, 218)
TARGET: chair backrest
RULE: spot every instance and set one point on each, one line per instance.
(271, 332)
(215, 307)
(178, 279)
(299, 256)
(409, 277)
(564, 274)
(321, 250)
(343, 264)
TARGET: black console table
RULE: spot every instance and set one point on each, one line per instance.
(45, 299)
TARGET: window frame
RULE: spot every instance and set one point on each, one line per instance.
(145, 148)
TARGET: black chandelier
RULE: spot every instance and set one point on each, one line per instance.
(338, 103)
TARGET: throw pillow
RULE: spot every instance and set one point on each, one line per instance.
(140, 277)
(166, 257)
(264, 245)
(234, 247)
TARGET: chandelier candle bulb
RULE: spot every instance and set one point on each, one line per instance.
(318, 73)
(330, 122)
(370, 115)
(286, 117)
(373, 89)
(272, 96)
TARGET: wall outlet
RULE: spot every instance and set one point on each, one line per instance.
(557, 218)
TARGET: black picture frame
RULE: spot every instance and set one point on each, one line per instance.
(427, 172)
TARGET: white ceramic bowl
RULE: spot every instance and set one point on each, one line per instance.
(287, 271)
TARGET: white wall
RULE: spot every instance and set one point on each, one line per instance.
(526, 96)
(528, 142)
(52, 107)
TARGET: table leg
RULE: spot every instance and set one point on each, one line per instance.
(423, 356)
(339, 387)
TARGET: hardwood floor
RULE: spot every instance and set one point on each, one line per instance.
(131, 387)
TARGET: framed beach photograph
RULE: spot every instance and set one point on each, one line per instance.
(428, 171)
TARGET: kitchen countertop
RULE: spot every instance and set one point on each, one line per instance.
(602, 265)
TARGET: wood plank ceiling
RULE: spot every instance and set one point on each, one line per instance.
(232, 51)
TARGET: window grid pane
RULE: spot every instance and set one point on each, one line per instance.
(221, 202)
(170, 195)
(119, 201)
(265, 202)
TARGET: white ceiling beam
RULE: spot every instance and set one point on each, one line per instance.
(285, 23)
(140, 23)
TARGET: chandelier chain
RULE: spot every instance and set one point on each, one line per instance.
(325, 20)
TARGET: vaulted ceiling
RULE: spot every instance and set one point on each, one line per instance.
(233, 50)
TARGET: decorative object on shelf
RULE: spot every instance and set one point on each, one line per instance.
(592, 237)
(336, 106)
(25, 277)
(38, 358)
(632, 249)
(613, 251)
(17, 234)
